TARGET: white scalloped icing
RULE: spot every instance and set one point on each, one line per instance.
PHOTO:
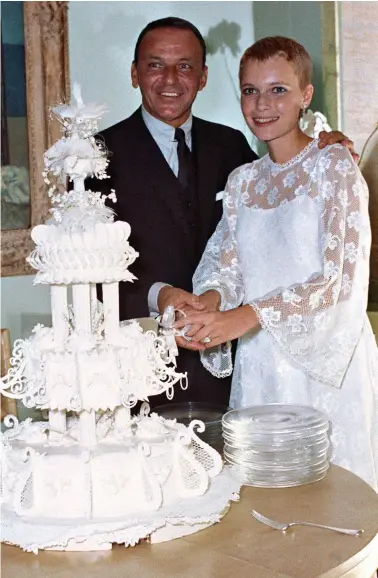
(85, 373)
(153, 426)
(100, 255)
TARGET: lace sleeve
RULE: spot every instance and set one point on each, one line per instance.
(219, 269)
(318, 323)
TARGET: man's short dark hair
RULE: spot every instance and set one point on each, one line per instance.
(171, 22)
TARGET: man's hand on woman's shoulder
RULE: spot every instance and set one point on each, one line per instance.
(337, 137)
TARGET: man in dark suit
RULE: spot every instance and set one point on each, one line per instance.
(168, 183)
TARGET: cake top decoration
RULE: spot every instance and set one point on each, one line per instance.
(78, 154)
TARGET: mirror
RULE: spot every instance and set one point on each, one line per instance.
(34, 54)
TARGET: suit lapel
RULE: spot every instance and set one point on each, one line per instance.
(207, 161)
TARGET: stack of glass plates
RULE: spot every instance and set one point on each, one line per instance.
(276, 445)
(210, 414)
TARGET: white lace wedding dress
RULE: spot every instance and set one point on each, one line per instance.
(294, 243)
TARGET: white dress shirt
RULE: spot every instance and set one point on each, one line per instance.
(164, 136)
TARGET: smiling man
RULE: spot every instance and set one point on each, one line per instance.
(169, 68)
(169, 169)
(167, 181)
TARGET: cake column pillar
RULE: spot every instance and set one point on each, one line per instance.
(110, 294)
(93, 297)
(59, 310)
(82, 312)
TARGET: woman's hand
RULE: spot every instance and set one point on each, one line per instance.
(209, 301)
(220, 326)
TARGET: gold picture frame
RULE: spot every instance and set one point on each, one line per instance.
(47, 82)
(8, 405)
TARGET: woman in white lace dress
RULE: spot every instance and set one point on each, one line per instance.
(287, 269)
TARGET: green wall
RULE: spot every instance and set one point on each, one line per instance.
(300, 21)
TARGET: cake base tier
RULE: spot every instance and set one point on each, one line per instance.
(184, 517)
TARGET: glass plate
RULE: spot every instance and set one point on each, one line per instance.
(267, 468)
(272, 443)
(247, 480)
(296, 453)
(185, 412)
(280, 474)
(278, 418)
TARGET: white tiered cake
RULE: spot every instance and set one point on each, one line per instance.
(97, 476)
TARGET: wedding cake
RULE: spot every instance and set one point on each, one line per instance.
(94, 474)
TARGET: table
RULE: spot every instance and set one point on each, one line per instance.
(239, 546)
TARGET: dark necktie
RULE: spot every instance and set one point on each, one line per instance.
(184, 158)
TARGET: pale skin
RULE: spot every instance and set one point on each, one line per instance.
(272, 97)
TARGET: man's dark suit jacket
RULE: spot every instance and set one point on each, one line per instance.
(168, 234)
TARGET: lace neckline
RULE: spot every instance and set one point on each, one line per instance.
(295, 159)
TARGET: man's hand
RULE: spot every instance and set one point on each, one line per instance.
(211, 302)
(179, 298)
(188, 304)
(334, 137)
(184, 301)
